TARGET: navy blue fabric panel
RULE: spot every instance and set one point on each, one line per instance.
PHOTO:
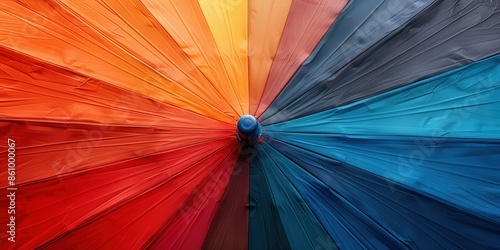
(302, 228)
(265, 228)
(360, 25)
(409, 210)
(349, 228)
(450, 34)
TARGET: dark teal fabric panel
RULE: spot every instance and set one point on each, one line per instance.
(302, 228)
(348, 227)
(405, 209)
(463, 103)
(450, 34)
(265, 228)
(463, 173)
(360, 25)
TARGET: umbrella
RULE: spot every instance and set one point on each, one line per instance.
(250, 124)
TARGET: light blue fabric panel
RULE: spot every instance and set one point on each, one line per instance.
(463, 103)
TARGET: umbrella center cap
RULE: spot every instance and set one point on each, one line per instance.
(248, 129)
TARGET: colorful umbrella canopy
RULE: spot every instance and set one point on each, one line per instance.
(377, 124)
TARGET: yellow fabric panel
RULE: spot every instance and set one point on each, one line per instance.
(185, 22)
(227, 20)
(267, 20)
(46, 31)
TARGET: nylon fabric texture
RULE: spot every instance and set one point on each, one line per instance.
(250, 124)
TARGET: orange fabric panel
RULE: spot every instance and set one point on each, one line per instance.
(228, 23)
(45, 30)
(307, 23)
(185, 22)
(267, 20)
(38, 91)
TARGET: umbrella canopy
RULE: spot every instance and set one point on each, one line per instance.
(250, 124)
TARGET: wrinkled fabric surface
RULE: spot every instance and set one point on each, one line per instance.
(381, 124)
(447, 35)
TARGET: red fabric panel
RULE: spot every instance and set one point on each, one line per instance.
(118, 205)
(189, 227)
(307, 23)
(46, 150)
(229, 229)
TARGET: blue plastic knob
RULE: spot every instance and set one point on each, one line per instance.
(248, 129)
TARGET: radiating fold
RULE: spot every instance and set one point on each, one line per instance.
(185, 22)
(37, 91)
(266, 22)
(188, 227)
(409, 189)
(229, 228)
(435, 166)
(47, 150)
(306, 24)
(448, 35)
(301, 227)
(347, 226)
(361, 25)
(381, 123)
(228, 23)
(265, 229)
(129, 201)
(104, 46)
(462, 103)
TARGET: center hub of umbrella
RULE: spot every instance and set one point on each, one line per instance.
(248, 129)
